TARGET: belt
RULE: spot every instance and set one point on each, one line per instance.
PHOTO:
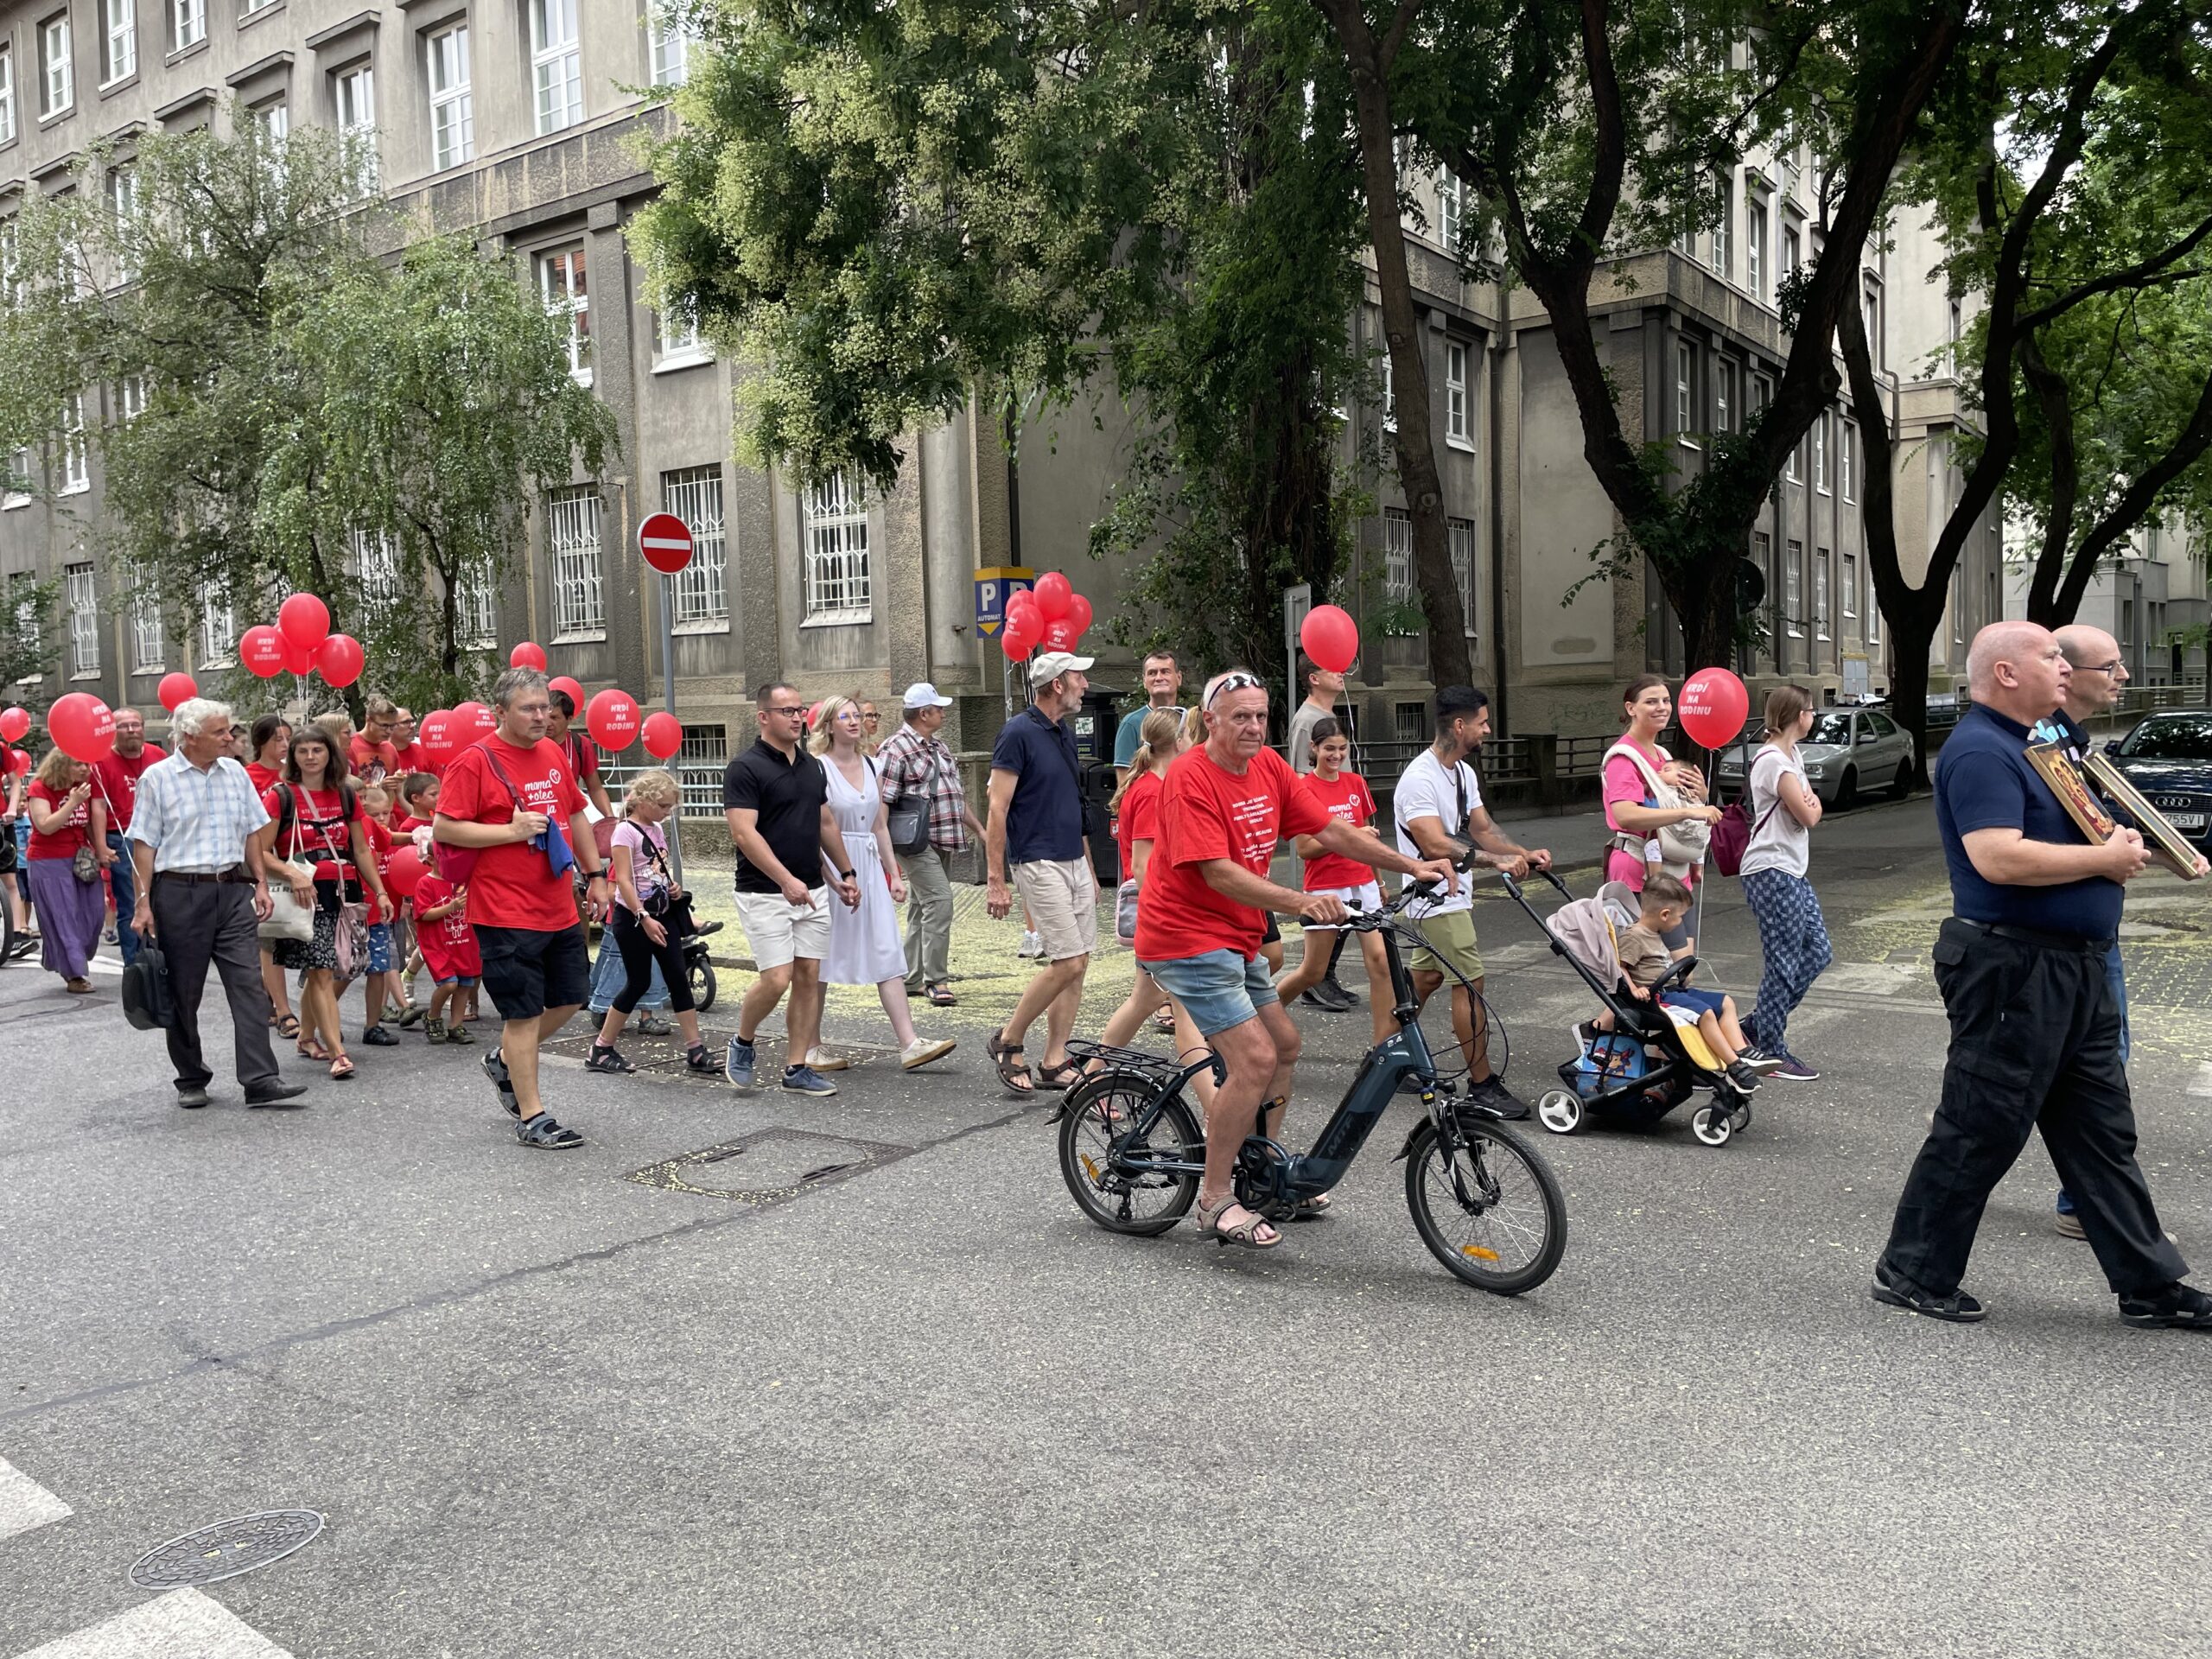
(2036, 936)
(194, 878)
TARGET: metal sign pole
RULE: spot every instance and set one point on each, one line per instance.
(668, 698)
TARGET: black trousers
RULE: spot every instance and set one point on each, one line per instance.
(2035, 1044)
(200, 923)
(638, 953)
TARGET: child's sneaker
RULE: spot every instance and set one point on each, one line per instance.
(459, 1034)
(1746, 1080)
(433, 1029)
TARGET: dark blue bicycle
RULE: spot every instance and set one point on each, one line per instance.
(1484, 1203)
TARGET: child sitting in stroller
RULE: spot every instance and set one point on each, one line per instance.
(1645, 959)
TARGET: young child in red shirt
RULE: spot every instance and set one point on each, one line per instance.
(448, 947)
(383, 996)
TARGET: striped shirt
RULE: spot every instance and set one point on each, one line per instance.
(194, 820)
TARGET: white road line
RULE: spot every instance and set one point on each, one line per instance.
(183, 1624)
(2202, 1089)
(24, 1504)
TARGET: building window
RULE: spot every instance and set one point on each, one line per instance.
(453, 110)
(561, 285)
(1684, 392)
(1455, 397)
(1958, 608)
(1790, 253)
(1870, 299)
(15, 487)
(76, 456)
(555, 65)
(58, 84)
(1850, 586)
(1792, 589)
(356, 99)
(372, 561)
(1790, 467)
(1873, 613)
(28, 629)
(1409, 722)
(476, 613)
(83, 622)
(695, 495)
(275, 120)
(1823, 567)
(1846, 442)
(1723, 227)
(837, 578)
(123, 209)
(1755, 248)
(676, 336)
(145, 635)
(669, 44)
(1461, 533)
(1958, 324)
(1724, 396)
(1450, 210)
(7, 93)
(129, 398)
(219, 628)
(1821, 454)
(1389, 391)
(1763, 556)
(118, 40)
(252, 6)
(572, 549)
(1397, 554)
(188, 23)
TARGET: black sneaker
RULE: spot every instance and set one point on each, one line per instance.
(275, 1093)
(1740, 1074)
(1344, 999)
(546, 1134)
(1315, 998)
(191, 1097)
(602, 1058)
(2178, 1307)
(1957, 1309)
(1494, 1096)
(379, 1037)
(496, 1069)
(1760, 1061)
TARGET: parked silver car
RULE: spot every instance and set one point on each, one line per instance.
(1848, 750)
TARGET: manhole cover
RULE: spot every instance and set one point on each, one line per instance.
(768, 1166)
(225, 1549)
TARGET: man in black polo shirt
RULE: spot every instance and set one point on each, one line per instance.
(2035, 1030)
(777, 798)
(1035, 830)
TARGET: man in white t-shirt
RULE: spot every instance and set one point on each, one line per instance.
(1439, 801)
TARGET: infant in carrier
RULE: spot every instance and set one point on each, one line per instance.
(1644, 959)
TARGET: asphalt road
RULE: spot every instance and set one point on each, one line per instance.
(593, 1404)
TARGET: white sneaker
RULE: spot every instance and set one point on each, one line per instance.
(822, 1060)
(1031, 945)
(923, 1050)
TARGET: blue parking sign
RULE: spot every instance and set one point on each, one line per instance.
(994, 585)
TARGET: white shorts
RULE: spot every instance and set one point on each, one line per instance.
(1063, 899)
(779, 931)
(1366, 896)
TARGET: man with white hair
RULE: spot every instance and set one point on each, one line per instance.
(197, 835)
(2035, 1028)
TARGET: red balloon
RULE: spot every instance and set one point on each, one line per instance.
(261, 648)
(298, 659)
(175, 689)
(663, 734)
(474, 720)
(612, 718)
(439, 732)
(340, 659)
(1079, 613)
(574, 688)
(527, 655)
(1018, 637)
(1022, 603)
(83, 727)
(305, 620)
(1713, 708)
(814, 715)
(13, 722)
(22, 761)
(404, 873)
(1053, 593)
(1059, 636)
(1331, 638)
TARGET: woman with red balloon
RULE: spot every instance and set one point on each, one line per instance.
(67, 856)
(1655, 805)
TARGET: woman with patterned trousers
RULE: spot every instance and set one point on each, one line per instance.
(1793, 937)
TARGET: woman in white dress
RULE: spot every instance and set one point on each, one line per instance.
(865, 948)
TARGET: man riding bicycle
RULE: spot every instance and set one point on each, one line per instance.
(1202, 911)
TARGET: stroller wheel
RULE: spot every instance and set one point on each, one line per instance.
(1560, 1110)
(1740, 1119)
(1713, 1126)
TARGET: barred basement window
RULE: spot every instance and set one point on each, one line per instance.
(695, 495)
(838, 587)
(572, 551)
(145, 636)
(83, 622)
(1397, 554)
(1462, 534)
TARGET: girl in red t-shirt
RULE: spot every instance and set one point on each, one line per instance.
(449, 951)
(1342, 795)
(67, 817)
(321, 850)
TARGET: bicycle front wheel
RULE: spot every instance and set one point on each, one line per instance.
(1109, 1164)
(1500, 1225)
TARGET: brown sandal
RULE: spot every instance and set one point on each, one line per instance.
(1245, 1232)
(1063, 1075)
(1014, 1070)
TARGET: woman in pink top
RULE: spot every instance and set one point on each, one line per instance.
(1649, 706)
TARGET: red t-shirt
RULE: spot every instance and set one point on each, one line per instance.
(1139, 820)
(380, 845)
(582, 755)
(265, 778)
(321, 823)
(513, 884)
(118, 783)
(372, 762)
(413, 758)
(448, 944)
(64, 843)
(1346, 798)
(1206, 813)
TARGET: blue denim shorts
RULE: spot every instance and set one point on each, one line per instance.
(1218, 989)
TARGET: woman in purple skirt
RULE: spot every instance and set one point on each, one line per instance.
(68, 819)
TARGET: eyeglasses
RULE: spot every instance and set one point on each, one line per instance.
(1234, 683)
(798, 708)
(2116, 666)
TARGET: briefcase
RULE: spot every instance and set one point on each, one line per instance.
(147, 1003)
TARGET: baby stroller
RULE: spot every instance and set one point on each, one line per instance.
(1653, 1058)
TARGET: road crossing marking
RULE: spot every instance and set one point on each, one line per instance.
(24, 1504)
(2202, 1089)
(181, 1623)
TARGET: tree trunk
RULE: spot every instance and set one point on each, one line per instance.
(1910, 639)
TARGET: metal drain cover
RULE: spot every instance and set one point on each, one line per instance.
(225, 1549)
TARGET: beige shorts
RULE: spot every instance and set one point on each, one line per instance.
(779, 931)
(1063, 904)
(1451, 936)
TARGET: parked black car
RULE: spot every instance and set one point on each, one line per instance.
(2169, 758)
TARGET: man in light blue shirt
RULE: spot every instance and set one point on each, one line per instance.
(198, 835)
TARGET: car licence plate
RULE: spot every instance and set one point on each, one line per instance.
(2193, 822)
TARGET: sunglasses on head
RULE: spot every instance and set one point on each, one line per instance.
(1234, 683)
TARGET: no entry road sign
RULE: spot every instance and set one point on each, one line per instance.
(664, 543)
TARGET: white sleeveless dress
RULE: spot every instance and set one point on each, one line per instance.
(864, 945)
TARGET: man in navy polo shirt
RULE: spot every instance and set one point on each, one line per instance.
(1035, 830)
(2035, 1030)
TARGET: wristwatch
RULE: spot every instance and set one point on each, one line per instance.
(844, 875)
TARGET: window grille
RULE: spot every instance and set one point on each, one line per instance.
(572, 547)
(838, 587)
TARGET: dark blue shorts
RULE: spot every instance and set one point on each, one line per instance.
(1697, 1002)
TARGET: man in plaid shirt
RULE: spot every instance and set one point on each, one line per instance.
(915, 763)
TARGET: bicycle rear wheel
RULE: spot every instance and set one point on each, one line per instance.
(1097, 1127)
(1509, 1231)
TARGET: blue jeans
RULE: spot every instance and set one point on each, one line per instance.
(1218, 989)
(123, 880)
(608, 976)
(2116, 977)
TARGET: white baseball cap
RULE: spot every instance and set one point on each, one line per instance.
(1054, 663)
(922, 694)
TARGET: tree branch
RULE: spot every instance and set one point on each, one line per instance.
(2136, 501)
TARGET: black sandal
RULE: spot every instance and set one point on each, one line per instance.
(1014, 1070)
(605, 1058)
(288, 1024)
(697, 1058)
(546, 1134)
